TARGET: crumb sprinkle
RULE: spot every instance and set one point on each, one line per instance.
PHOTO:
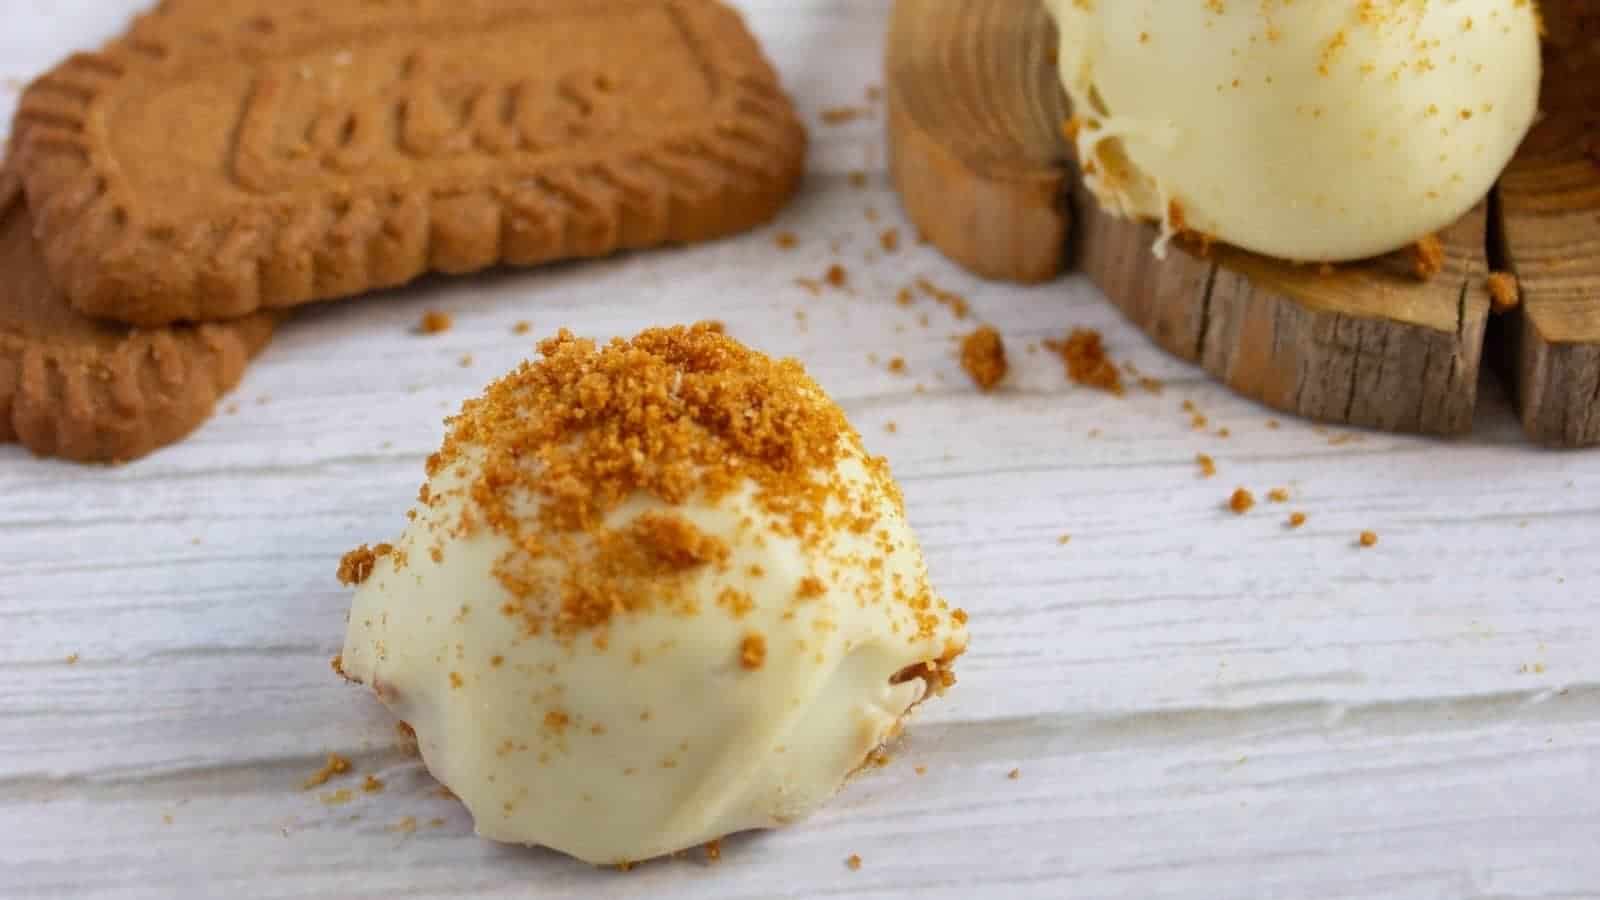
(1427, 257)
(1242, 501)
(1504, 292)
(983, 357)
(336, 765)
(853, 862)
(434, 322)
(1368, 539)
(1084, 354)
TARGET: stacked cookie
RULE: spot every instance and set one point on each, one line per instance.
(167, 199)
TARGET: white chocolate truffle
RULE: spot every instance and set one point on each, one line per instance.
(656, 592)
(1317, 130)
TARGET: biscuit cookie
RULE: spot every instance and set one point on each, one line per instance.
(94, 392)
(226, 156)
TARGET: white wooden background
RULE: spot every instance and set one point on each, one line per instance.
(1199, 704)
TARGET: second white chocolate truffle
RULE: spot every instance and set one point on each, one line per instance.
(1307, 131)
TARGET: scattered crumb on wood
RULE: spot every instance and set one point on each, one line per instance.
(1278, 495)
(812, 286)
(837, 276)
(897, 365)
(1242, 501)
(1368, 539)
(891, 427)
(921, 770)
(434, 322)
(858, 179)
(983, 357)
(1224, 432)
(522, 327)
(1087, 364)
(854, 862)
(874, 93)
(889, 240)
(905, 297)
(1014, 774)
(1151, 385)
(1208, 466)
(871, 213)
(1504, 293)
(839, 115)
(166, 818)
(408, 825)
(713, 851)
(232, 409)
(466, 360)
(435, 823)
(956, 303)
(1273, 425)
(1296, 519)
(336, 765)
(72, 659)
(372, 784)
(337, 798)
(1064, 540)
(1427, 257)
(786, 240)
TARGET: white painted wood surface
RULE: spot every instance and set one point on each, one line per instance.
(1200, 704)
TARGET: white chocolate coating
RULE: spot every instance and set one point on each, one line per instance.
(1308, 130)
(658, 736)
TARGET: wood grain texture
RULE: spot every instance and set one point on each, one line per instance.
(980, 179)
(1198, 704)
(1550, 238)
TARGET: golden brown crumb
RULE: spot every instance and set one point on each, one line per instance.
(1242, 501)
(356, 566)
(983, 356)
(522, 327)
(72, 659)
(675, 542)
(1071, 128)
(166, 818)
(1296, 519)
(1063, 540)
(1278, 495)
(1273, 425)
(889, 240)
(854, 862)
(337, 663)
(837, 276)
(1369, 538)
(1208, 466)
(434, 322)
(465, 361)
(786, 240)
(336, 765)
(372, 784)
(956, 303)
(714, 850)
(1427, 257)
(897, 365)
(408, 825)
(456, 681)
(1504, 294)
(858, 180)
(921, 770)
(1151, 385)
(753, 651)
(839, 115)
(891, 427)
(1014, 774)
(1086, 360)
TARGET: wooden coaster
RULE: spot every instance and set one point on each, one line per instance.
(1549, 235)
(984, 171)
